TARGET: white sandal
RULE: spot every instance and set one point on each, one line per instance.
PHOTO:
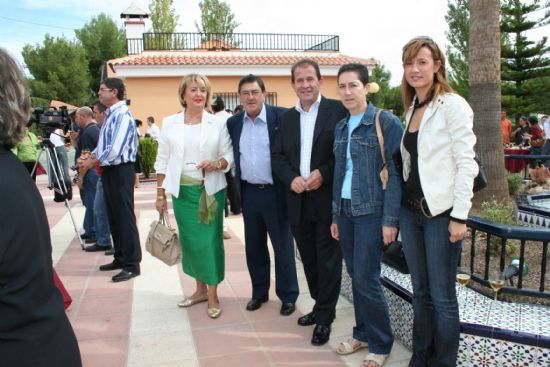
(349, 348)
(379, 359)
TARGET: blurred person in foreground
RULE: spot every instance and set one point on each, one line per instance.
(34, 330)
(194, 154)
(365, 209)
(439, 171)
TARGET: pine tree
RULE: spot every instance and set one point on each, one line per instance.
(524, 62)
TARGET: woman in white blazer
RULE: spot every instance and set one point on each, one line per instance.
(439, 171)
(194, 153)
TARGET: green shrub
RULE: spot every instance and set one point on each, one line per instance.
(147, 151)
(515, 182)
(501, 212)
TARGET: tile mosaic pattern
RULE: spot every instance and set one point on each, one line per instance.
(477, 309)
(537, 220)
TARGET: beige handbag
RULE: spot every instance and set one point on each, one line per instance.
(162, 241)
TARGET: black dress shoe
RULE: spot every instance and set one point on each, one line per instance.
(96, 248)
(321, 335)
(110, 266)
(287, 308)
(307, 320)
(124, 275)
(256, 303)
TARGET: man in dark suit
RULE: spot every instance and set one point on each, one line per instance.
(302, 159)
(253, 133)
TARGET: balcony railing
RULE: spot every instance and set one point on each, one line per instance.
(232, 41)
(529, 238)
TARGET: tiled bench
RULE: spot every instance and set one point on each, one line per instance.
(492, 333)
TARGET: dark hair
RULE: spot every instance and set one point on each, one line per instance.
(218, 104)
(533, 120)
(115, 83)
(304, 63)
(138, 122)
(100, 106)
(251, 79)
(360, 69)
(238, 108)
(151, 118)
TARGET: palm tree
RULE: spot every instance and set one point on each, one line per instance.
(484, 95)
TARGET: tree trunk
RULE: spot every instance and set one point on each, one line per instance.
(484, 95)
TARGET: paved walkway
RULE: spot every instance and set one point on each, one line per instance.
(137, 323)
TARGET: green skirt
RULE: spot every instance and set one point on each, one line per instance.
(202, 244)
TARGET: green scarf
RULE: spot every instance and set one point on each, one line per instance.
(207, 204)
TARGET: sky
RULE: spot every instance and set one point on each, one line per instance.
(367, 28)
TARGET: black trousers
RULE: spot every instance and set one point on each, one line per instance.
(233, 194)
(118, 187)
(261, 218)
(322, 259)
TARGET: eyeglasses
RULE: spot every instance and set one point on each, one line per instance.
(253, 93)
(423, 39)
(105, 89)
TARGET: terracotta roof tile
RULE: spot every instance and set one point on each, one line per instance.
(268, 58)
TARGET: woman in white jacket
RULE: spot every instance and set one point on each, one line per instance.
(439, 170)
(194, 153)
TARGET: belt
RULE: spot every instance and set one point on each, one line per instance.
(420, 205)
(259, 186)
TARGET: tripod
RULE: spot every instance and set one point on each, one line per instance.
(59, 186)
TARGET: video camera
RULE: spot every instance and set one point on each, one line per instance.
(50, 119)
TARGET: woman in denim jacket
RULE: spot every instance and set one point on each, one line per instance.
(439, 170)
(365, 214)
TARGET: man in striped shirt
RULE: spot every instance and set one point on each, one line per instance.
(116, 154)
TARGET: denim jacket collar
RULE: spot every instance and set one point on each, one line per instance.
(367, 119)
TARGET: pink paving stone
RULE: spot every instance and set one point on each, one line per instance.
(282, 331)
(256, 359)
(111, 305)
(104, 352)
(304, 354)
(101, 325)
(223, 341)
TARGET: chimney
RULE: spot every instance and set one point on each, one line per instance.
(134, 21)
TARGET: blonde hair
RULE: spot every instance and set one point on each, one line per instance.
(15, 102)
(410, 50)
(195, 78)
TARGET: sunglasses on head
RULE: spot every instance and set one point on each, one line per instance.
(423, 39)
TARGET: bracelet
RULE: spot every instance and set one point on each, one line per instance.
(161, 197)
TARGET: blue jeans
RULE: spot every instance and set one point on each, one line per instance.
(101, 219)
(90, 184)
(361, 241)
(432, 262)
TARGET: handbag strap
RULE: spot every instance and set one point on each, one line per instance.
(163, 218)
(380, 136)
